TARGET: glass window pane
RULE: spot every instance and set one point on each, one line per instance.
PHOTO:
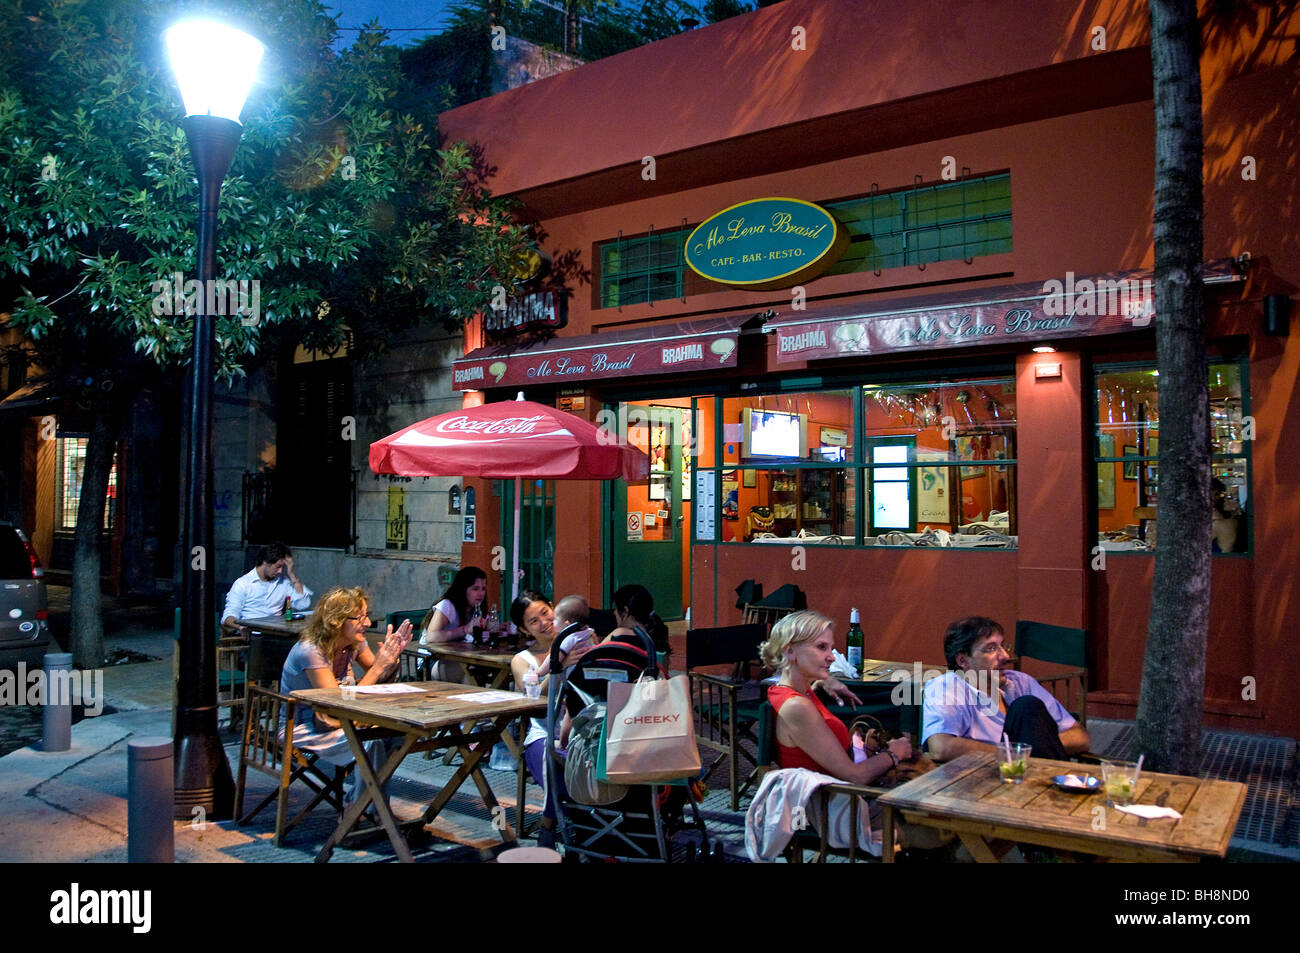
(891, 506)
(1128, 446)
(814, 504)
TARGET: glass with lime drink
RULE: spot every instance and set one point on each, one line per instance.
(1120, 781)
(1013, 762)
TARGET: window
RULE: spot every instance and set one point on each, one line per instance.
(641, 269)
(70, 464)
(1128, 447)
(313, 498)
(935, 466)
(941, 222)
(788, 468)
(942, 461)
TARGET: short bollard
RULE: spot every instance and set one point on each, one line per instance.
(56, 713)
(150, 790)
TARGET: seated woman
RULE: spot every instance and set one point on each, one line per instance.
(634, 608)
(333, 639)
(533, 614)
(451, 618)
(801, 647)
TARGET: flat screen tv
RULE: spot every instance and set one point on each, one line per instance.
(773, 435)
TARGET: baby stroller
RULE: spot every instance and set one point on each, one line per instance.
(642, 825)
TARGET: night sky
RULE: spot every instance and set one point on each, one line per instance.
(407, 20)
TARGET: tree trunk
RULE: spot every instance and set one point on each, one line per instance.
(86, 623)
(1173, 672)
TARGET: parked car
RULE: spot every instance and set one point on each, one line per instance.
(24, 612)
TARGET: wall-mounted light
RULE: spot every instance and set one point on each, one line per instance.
(1044, 349)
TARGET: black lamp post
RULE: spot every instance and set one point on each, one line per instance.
(215, 66)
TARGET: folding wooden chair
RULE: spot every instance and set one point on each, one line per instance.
(726, 706)
(264, 750)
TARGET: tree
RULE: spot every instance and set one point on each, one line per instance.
(339, 216)
(1173, 671)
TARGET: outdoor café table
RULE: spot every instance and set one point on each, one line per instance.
(276, 625)
(489, 667)
(427, 719)
(967, 796)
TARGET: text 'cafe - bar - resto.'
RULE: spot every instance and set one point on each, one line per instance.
(892, 390)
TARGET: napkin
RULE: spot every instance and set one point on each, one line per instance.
(1149, 811)
(840, 666)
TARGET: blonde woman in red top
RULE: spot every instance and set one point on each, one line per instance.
(801, 647)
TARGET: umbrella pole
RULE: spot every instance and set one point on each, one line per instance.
(514, 552)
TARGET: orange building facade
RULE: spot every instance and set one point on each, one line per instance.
(984, 169)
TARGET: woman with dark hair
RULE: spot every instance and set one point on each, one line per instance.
(451, 618)
(333, 639)
(534, 616)
(634, 608)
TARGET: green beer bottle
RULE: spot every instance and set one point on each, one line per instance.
(854, 644)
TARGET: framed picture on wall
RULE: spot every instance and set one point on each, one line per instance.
(748, 479)
(1106, 473)
(1131, 467)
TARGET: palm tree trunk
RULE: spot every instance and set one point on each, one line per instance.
(1173, 672)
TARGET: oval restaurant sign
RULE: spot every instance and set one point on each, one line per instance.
(766, 243)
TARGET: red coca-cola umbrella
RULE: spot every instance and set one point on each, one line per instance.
(510, 439)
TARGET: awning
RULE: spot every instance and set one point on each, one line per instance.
(677, 347)
(1067, 307)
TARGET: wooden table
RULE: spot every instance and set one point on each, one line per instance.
(276, 625)
(490, 667)
(885, 682)
(967, 796)
(431, 719)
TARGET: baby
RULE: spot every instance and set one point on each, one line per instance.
(571, 619)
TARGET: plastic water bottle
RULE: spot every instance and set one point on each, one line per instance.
(532, 687)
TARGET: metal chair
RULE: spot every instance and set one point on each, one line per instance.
(1058, 645)
(264, 750)
(726, 706)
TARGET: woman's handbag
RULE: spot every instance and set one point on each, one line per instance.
(650, 731)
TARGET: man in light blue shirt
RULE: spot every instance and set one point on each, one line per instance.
(262, 590)
(970, 707)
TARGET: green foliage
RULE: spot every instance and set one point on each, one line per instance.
(349, 214)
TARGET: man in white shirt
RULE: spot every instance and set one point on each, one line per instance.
(262, 590)
(969, 707)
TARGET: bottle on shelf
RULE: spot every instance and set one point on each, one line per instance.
(853, 642)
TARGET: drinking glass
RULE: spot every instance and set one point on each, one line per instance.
(1013, 762)
(1120, 781)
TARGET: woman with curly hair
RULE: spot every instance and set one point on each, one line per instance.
(333, 639)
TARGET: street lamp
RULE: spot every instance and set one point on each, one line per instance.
(215, 66)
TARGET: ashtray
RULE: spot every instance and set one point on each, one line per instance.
(1076, 784)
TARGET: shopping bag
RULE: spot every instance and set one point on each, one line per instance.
(650, 732)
